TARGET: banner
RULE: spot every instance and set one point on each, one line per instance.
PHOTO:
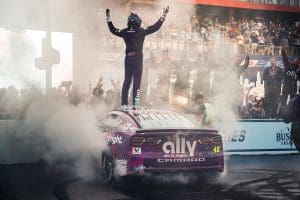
(254, 137)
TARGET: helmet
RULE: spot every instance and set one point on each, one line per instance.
(134, 21)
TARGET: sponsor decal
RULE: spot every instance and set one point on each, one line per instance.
(182, 146)
(120, 167)
(136, 150)
(283, 136)
(217, 149)
(210, 140)
(121, 161)
(176, 155)
(180, 160)
(237, 136)
(117, 139)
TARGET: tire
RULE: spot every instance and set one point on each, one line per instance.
(107, 168)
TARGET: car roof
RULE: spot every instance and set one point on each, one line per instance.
(133, 114)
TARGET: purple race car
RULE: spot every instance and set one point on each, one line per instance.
(158, 141)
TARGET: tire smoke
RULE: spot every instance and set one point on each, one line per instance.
(64, 133)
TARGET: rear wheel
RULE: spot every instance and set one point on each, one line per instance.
(107, 167)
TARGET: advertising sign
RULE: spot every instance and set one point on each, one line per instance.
(253, 137)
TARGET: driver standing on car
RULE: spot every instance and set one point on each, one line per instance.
(134, 36)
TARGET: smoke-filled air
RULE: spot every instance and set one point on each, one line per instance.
(64, 123)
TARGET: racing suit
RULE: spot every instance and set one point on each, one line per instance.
(292, 114)
(134, 40)
(289, 79)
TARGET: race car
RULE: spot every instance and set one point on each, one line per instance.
(155, 141)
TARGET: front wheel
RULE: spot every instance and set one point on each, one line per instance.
(107, 168)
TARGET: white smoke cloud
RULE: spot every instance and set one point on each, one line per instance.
(61, 130)
(64, 132)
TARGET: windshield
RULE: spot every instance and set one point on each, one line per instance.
(164, 120)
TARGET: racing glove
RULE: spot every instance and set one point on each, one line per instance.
(107, 12)
(165, 12)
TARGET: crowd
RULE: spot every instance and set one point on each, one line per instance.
(14, 103)
(277, 2)
(165, 79)
(254, 35)
(190, 71)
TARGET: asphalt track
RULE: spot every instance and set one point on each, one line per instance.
(245, 177)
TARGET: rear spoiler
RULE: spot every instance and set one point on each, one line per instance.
(175, 130)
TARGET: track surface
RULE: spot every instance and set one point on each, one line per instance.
(245, 177)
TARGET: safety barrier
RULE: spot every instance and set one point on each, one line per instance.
(255, 137)
(244, 137)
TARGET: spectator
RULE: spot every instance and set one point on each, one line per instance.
(272, 77)
(261, 43)
(254, 43)
(244, 112)
(259, 112)
(181, 84)
(166, 66)
(148, 63)
(240, 42)
(75, 97)
(202, 82)
(247, 43)
(11, 101)
(269, 45)
(290, 77)
(292, 114)
(204, 110)
(97, 93)
(240, 67)
(277, 43)
(112, 100)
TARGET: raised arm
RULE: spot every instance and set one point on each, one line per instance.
(111, 26)
(241, 68)
(155, 27)
(246, 64)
